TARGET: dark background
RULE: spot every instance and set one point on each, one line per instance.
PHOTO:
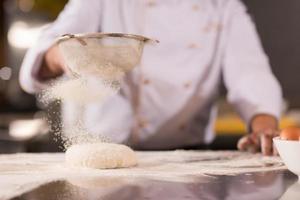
(278, 24)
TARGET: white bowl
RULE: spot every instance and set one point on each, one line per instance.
(293, 192)
(289, 151)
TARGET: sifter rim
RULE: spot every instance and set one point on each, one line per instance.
(66, 37)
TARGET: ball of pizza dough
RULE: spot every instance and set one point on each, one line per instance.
(100, 156)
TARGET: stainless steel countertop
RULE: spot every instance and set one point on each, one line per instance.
(159, 175)
(260, 185)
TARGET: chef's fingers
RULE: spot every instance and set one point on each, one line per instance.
(266, 144)
(242, 143)
(255, 139)
(253, 147)
(246, 143)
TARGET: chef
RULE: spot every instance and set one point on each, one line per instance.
(169, 101)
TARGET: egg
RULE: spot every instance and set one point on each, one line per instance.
(290, 133)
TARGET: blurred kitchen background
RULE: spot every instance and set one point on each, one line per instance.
(22, 127)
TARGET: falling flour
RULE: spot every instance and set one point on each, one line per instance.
(79, 91)
(95, 67)
(79, 135)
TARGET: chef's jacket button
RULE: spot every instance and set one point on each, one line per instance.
(187, 85)
(146, 81)
(208, 27)
(193, 46)
(151, 3)
(182, 127)
(213, 27)
(218, 27)
(196, 7)
(142, 123)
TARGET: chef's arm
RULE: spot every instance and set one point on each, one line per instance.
(252, 88)
(43, 61)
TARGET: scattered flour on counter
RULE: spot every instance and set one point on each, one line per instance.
(20, 173)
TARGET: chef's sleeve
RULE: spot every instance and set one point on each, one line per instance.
(78, 16)
(252, 87)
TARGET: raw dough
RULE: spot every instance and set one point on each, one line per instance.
(100, 156)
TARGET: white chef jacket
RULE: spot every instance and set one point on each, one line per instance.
(169, 100)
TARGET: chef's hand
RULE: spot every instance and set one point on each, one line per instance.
(53, 64)
(264, 128)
